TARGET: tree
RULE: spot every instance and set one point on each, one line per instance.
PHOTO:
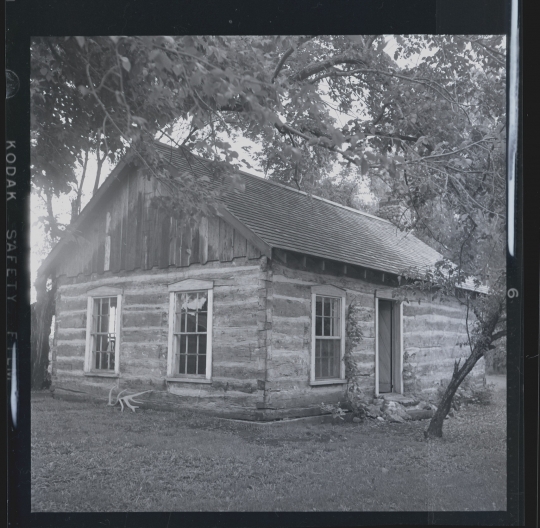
(485, 320)
(310, 102)
(425, 125)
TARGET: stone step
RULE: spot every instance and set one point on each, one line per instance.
(419, 414)
(406, 401)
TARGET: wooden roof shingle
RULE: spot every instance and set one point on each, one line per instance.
(289, 219)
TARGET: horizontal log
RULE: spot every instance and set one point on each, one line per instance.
(290, 289)
(287, 342)
(210, 270)
(144, 319)
(70, 334)
(244, 317)
(415, 309)
(245, 351)
(143, 350)
(290, 308)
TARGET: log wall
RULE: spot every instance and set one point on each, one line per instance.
(434, 334)
(239, 345)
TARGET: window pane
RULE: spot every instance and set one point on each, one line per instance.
(190, 327)
(202, 344)
(318, 306)
(182, 366)
(202, 365)
(112, 319)
(202, 322)
(327, 306)
(192, 344)
(318, 325)
(191, 364)
(179, 322)
(190, 302)
(104, 326)
(327, 326)
(203, 301)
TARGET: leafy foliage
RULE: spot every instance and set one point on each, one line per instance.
(427, 122)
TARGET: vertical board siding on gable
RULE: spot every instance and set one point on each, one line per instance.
(194, 255)
(203, 240)
(165, 241)
(213, 238)
(153, 255)
(144, 236)
(252, 251)
(139, 230)
(239, 245)
(132, 221)
(226, 240)
(186, 244)
(172, 241)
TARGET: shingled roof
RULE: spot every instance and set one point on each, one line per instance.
(289, 219)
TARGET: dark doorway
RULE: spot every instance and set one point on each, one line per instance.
(386, 345)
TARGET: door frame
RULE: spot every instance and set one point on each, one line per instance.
(397, 342)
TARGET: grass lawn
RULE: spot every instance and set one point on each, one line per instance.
(90, 457)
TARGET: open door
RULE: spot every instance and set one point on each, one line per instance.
(385, 346)
(389, 358)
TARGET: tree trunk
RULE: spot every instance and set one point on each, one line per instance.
(55, 230)
(483, 343)
(42, 313)
(436, 425)
(98, 173)
(76, 204)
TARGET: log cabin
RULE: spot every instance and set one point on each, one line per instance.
(243, 313)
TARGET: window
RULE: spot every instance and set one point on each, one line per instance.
(103, 331)
(190, 330)
(328, 335)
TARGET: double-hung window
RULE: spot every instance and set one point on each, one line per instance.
(190, 330)
(328, 335)
(103, 331)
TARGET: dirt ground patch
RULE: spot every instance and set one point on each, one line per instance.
(90, 457)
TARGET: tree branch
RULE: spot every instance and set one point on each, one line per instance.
(287, 54)
(318, 67)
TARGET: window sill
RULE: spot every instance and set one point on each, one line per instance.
(101, 375)
(328, 382)
(189, 380)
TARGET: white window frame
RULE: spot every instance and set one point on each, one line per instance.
(190, 286)
(96, 293)
(337, 293)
